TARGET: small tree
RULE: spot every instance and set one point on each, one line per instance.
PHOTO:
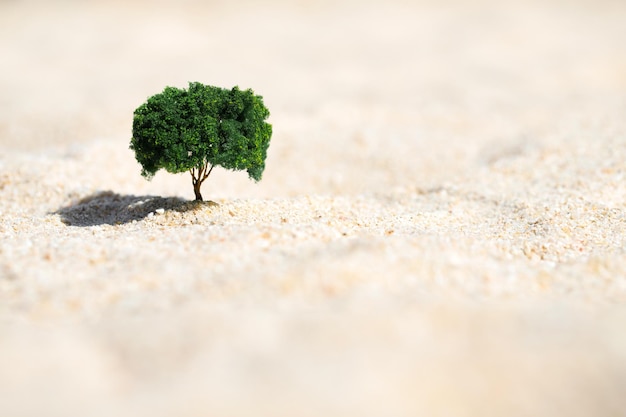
(199, 128)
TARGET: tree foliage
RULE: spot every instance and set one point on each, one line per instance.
(198, 128)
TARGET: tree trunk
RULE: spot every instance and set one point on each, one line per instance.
(198, 175)
(196, 190)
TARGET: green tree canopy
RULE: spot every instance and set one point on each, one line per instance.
(199, 128)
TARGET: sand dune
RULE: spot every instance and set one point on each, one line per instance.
(439, 230)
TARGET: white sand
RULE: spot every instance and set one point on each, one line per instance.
(440, 230)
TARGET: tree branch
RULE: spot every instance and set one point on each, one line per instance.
(206, 175)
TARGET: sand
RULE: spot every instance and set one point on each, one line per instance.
(440, 230)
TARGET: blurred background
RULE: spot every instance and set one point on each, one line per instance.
(374, 86)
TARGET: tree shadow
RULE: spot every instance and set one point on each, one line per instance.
(107, 207)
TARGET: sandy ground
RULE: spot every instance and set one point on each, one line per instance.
(440, 230)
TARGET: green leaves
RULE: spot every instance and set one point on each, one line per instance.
(179, 129)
